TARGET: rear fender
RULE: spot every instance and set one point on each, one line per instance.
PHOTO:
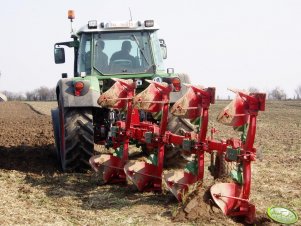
(88, 97)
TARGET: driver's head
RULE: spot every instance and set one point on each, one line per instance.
(126, 46)
(100, 44)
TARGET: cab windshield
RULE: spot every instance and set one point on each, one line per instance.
(115, 53)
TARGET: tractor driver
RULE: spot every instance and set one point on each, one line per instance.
(101, 59)
(124, 54)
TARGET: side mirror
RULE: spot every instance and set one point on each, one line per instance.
(59, 55)
(163, 48)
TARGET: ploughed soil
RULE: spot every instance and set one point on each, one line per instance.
(33, 191)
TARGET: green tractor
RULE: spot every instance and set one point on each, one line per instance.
(102, 51)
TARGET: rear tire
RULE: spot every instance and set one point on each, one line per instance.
(76, 138)
(56, 130)
(172, 155)
(177, 125)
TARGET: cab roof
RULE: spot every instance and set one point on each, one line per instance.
(94, 26)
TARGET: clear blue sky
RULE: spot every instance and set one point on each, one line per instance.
(219, 43)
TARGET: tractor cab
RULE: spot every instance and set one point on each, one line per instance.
(116, 48)
(112, 51)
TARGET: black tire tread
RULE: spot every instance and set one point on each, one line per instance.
(79, 139)
(221, 168)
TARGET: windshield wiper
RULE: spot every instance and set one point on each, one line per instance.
(141, 51)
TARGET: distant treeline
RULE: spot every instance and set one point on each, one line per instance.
(275, 94)
(41, 94)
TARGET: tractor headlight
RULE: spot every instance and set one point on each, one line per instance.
(149, 23)
(92, 24)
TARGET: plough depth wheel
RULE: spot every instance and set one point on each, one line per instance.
(220, 168)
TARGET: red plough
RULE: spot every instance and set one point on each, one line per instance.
(147, 176)
(119, 97)
(194, 104)
(232, 198)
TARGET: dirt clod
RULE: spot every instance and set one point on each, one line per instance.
(197, 207)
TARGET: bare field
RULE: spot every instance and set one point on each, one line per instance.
(34, 191)
(42, 107)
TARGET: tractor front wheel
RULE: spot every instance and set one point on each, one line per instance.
(76, 138)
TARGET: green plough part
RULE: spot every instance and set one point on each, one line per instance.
(236, 175)
(191, 167)
(119, 151)
(153, 159)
